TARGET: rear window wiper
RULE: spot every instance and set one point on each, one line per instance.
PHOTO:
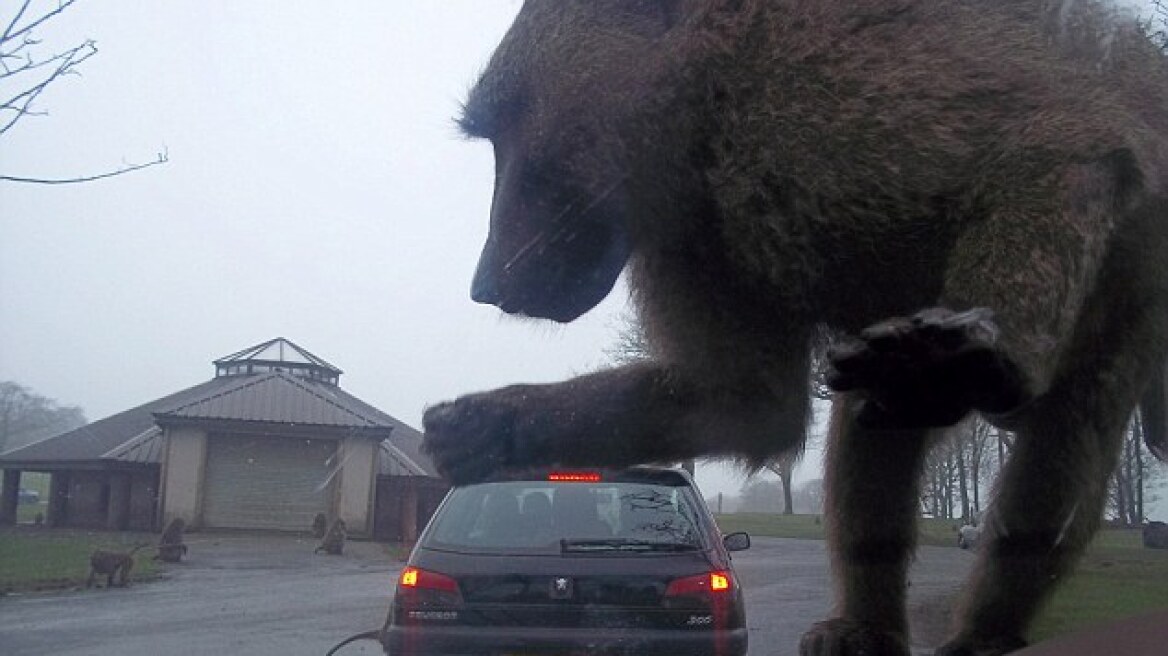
(622, 544)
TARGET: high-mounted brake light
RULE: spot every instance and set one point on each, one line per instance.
(574, 477)
(710, 582)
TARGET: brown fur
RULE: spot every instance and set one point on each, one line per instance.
(334, 540)
(769, 167)
(113, 564)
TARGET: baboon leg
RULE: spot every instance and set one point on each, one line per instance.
(1049, 505)
(871, 509)
(1050, 497)
(1032, 262)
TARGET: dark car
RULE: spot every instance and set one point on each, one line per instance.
(571, 563)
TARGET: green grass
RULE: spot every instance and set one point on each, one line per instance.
(936, 532)
(1117, 577)
(44, 559)
(26, 512)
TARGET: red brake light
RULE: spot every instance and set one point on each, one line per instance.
(711, 582)
(420, 579)
(574, 477)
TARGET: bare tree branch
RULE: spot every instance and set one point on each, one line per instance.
(25, 75)
(163, 157)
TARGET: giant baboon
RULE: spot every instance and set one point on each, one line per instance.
(113, 564)
(996, 171)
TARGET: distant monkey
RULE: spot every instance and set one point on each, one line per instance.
(319, 525)
(977, 189)
(334, 539)
(170, 544)
(112, 564)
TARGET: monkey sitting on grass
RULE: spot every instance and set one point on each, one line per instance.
(112, 564)
(334, 540)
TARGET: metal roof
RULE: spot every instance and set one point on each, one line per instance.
(280, 397)
(275, 399)
(277, 355)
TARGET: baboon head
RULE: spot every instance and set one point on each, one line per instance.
(552, 102)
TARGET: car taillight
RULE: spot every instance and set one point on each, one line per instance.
(420, 587)
(574, 477)
(711, 583)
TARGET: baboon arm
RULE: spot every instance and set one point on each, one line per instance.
(628, 415)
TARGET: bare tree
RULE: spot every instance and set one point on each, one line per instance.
(784, 467)
(27, 70)
(1134, 473)
(1156, 24)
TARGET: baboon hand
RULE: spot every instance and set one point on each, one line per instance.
(472, 437)
(840, 637)
(928, 370)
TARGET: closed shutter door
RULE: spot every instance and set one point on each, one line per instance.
(267, 483)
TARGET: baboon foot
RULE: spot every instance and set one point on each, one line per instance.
(969, 647)
(928, 370)
(470, 438)
(839, 637)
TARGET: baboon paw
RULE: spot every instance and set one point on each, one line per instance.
(971, 647)
(839, 637)
(928, 370)
(469, 438)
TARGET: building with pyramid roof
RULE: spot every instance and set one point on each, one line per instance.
(268, 443)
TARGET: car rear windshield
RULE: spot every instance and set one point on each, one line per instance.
(568, 517)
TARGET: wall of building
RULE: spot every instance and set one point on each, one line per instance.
(88, 499)
(143, 501)
(182, 475)
(355, 493)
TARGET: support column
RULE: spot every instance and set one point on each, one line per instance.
(117, 516)
(58, 498)
(410, 513)
(9, 497)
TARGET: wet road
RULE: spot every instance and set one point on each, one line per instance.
(268, 596)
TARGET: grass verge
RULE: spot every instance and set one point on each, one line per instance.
(1117, 577)
(35, 558)
(935, 532)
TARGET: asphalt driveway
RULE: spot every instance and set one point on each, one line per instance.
(269, 595)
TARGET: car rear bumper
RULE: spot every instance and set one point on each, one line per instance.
(530, 641)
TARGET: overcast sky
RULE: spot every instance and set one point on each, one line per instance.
(316, 190)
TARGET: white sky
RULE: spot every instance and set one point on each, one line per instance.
(316, 190)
